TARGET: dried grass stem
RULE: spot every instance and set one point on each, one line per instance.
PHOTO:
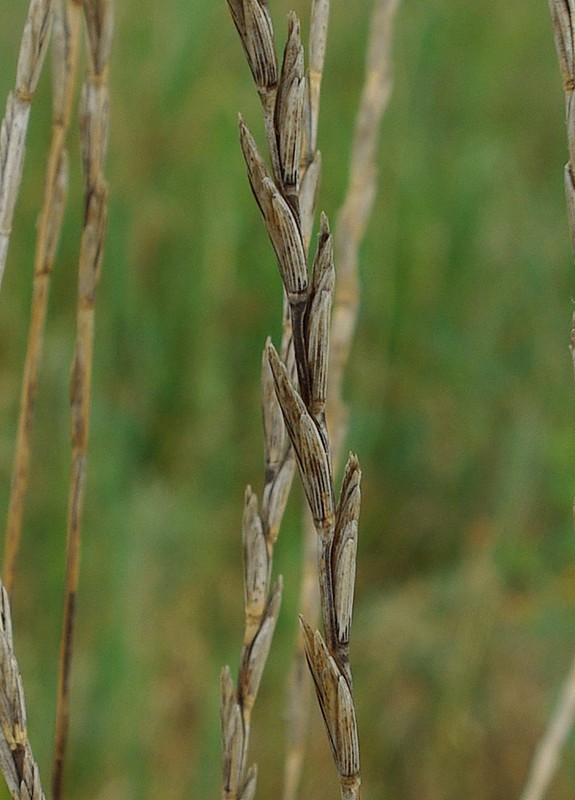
(65, 37)
(94, 136)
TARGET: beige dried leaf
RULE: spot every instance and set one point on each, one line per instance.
(313, 460)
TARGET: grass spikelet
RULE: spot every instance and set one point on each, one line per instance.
(290, 119)
(16, 757)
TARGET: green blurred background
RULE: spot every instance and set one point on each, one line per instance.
(460, 392)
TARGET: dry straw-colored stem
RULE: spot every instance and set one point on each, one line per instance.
(285, 193)
(281, 93)
(15, 123)
(351, 223)
(547, 754)
(279, 193)
(94, 136)
(16, 758)
(65, 36)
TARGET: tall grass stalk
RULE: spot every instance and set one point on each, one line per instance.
(65, 38)
(351, 223)
(290, 109)
(290, 119)
(16, 758)
(15, 123)
(94, 136)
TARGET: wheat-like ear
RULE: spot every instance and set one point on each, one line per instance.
(16, 758)
(350, 226)
(285, 192)
(15, 123)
